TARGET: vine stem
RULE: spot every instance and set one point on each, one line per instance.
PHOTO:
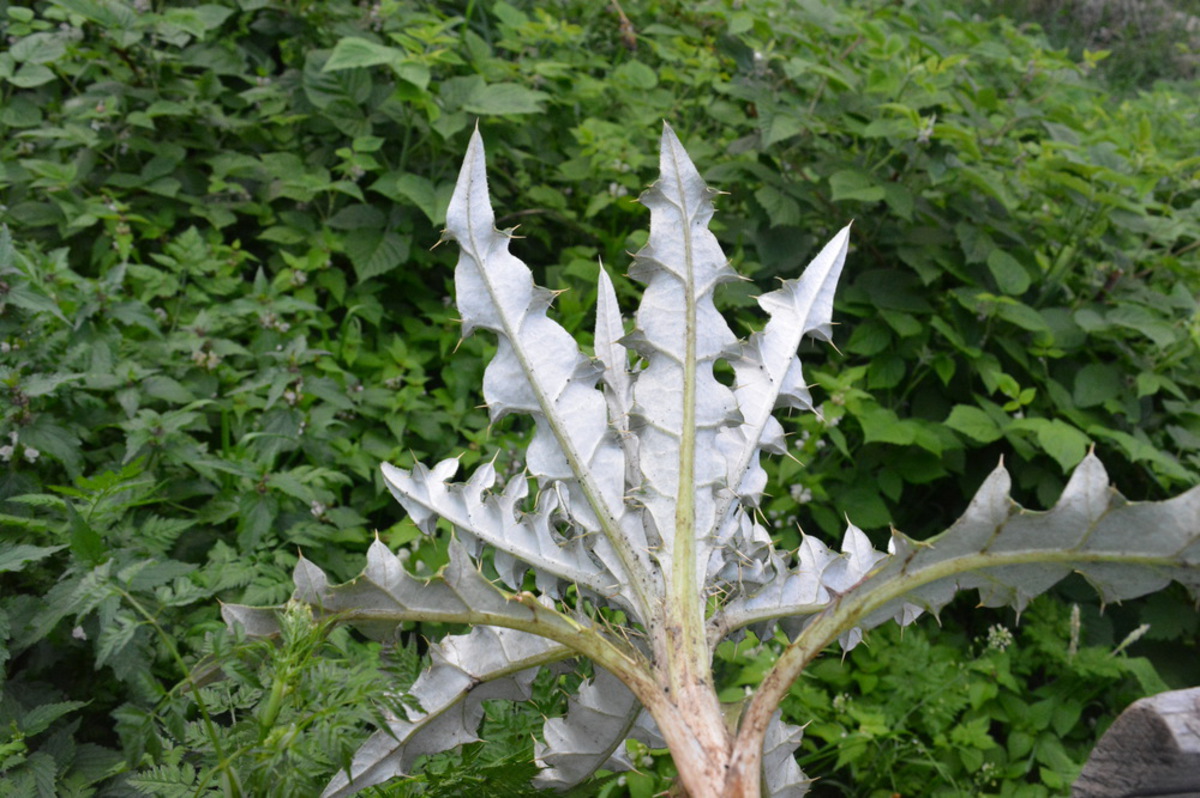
(206, 716)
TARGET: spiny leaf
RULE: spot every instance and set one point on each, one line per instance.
(538, 369)
(782, 777)
(767, 370)
(599, 719)
(679, 405)
(610, 330)
(520, 540)
(486, 663)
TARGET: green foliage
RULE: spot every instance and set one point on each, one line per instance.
(1009, 712)
(1024, 288)
(221, 308)
(268, 717)
(1135, 44)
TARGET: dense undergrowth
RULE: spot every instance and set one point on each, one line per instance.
(221, 308)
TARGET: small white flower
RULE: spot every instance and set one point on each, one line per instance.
(32, 454)
(926, 131)
(317, 509)
(6, 453)
(800, 494)
(78, 633)
(999, 637)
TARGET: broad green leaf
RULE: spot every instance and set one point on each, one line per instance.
(854, 185)
(375, 252)
(1066, 444)
(1139, 450)
(504, 98)
(38, 48)
(1096, 383)
(31, 75)
(55, 440)
(636, 75)
(974, 423)
(15, 556)
(42, 384)
(1021, 315)
(432, 200)
(782, 210)
(1011, 276)
(882, 425)
(779, 127)
(86, 542)
(352, 52)
(39, 718)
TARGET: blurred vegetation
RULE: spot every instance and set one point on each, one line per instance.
(1145, 40)
(221, 306)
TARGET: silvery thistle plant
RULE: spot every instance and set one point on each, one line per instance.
(642, 542)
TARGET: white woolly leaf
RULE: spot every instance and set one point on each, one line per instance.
(782, 777)
(486, 663)
(592, 735)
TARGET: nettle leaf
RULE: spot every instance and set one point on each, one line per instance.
(15, 556)
(635, 520)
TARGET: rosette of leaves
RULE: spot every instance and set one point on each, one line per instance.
(640, 549)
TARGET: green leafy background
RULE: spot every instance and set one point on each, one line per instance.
(221, 306)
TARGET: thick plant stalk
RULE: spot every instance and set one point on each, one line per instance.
(641, 541)
(681, 407)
